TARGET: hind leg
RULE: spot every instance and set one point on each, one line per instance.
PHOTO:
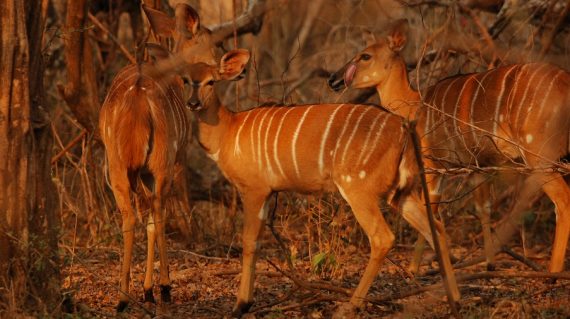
(434, 195)
(365, 208)
(558, 191)
(414, 212)
(121, 191)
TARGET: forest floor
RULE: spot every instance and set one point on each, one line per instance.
(205, 287)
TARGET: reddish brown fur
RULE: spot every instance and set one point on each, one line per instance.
(362, 151)
(487, 118)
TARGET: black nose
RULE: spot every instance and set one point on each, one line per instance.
(335, 83)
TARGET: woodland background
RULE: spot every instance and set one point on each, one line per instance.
(60, 237)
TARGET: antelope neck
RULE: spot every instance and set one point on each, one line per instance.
(212, 123)
(396, 94)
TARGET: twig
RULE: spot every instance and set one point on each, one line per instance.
(469, 277)
(534, 266)
(76, 140)
(199, 255)
(447, 275)
(112, 37)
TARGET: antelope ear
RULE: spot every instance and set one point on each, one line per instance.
(397, 37)
(157, 52)
(187, 20)
(160, 23)
(369, 38)
(233, 63)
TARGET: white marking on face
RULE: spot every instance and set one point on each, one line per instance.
(362, 174)
(529, 138)
(295, 138)
(324, 139)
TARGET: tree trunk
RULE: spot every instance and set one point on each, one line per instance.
(29, 274)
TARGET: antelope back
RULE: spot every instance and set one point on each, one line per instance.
(478, 114)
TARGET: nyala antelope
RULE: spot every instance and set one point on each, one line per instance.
(361, 151)
(514, 113)
(144, 126)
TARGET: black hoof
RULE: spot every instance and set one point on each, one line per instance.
(122, 306)
(490, 267)
(165, 293)
(240, 309)
(149, 296)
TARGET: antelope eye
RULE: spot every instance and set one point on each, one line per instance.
(211, 82)
(365, 57)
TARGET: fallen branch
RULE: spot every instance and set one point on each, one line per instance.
(76, 140)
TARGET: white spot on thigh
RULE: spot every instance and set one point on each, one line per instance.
(375, 73)
(131, 88)
(362, 174)
(331, 153)
(529, 138)
(348, 179)
(366, 78)
(501, 118)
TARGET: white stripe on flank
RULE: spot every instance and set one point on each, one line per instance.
(429, 118)
(500, 100)
(354, 130)
(457, 105)
(376, 138)
(543, 97)
(276, 142)
(259, 128)
(294, 143)
(441, 107)
(251, 139)
(367, 140)
(269, 167)
(473, 100)
(347, 121)
(237, 148)
(529, 83)
(324, 139)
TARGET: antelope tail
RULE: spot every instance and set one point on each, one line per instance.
(134, 136)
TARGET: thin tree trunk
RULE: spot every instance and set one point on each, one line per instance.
(29, 273)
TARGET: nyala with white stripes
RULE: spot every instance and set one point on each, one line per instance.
(513, 113)
(144, 126)
(364, 152)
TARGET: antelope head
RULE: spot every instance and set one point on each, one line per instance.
(371, 67)
(199, 78)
